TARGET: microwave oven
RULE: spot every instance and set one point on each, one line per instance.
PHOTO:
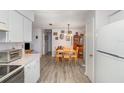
(10, 55)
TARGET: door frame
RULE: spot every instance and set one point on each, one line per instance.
(43, 41)
(86, 57)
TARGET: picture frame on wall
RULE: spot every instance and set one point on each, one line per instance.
(56, 38)
(61, 36)
(55, 33)
(62, 31)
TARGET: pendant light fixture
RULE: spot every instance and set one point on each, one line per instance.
(69, 32)
(68, 28)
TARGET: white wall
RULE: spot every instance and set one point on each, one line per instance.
(63, 42)
(37, 43)
(89, 43)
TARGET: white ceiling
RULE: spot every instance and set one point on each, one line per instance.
(60, 18)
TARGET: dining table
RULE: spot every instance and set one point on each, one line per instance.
(66, 53)
(69, 50)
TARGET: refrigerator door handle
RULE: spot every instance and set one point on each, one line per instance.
(110, 54)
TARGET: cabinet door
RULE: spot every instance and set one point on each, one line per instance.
(29, 73)
(32, 71)
(27, 30)
(37, 70)
(15, 27)
(4, 15)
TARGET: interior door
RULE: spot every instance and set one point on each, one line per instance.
(90, 49)
(46, 43)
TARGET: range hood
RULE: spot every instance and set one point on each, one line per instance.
(3, 27)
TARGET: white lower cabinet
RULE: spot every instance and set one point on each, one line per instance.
(32, 72)
(36, 70)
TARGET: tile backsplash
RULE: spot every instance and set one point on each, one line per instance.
(4, 46)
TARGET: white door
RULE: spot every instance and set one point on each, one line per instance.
(90, 49)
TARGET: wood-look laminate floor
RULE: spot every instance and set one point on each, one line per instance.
(63, 72)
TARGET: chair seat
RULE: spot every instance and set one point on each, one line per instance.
(73, 56)
(66, 56)
(58, 55)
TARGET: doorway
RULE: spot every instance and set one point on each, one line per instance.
(48, 41)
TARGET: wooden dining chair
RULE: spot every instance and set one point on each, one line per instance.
(74, 55)
(58, 56)
(66, 55)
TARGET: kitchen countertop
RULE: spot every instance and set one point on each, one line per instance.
(27, 58)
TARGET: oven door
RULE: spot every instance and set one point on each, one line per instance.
(17, 77)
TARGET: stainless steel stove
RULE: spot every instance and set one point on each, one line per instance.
(11, 74)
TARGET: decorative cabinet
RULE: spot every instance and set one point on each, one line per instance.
(27, 30)
(15, 27)
(78, 42)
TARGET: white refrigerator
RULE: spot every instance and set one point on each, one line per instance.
(109, 66)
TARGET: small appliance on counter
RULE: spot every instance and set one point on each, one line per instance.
(28, 49)
(10, 55)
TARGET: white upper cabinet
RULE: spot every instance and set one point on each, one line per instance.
(4, 19)
(27, 30)
(27, 13)
(4, 16)
(15, 27)
(19, 25)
